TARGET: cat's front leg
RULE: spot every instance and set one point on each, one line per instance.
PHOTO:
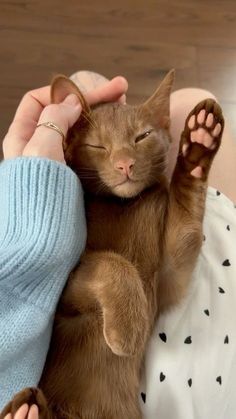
(199, 143)
(109, 283)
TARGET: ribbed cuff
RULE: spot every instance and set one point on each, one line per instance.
(42, 227)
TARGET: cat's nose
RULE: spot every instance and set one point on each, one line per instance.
(125, 166)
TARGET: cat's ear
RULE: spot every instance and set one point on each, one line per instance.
(61, 87)
(158, 105)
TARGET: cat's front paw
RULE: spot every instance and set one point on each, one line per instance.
(201, 138)
(29, 396)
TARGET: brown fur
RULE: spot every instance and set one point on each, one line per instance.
(143, 242)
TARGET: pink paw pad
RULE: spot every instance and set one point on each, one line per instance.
(204, 127)
(197, 172)
(203, 135)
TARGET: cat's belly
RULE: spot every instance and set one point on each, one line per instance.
(144, 253)
(139, 242)
(134, 231)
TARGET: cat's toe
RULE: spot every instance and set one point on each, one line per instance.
(201, 116)
(209, 120)
(217, 130)
(191, 122)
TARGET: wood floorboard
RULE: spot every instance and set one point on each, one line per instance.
(140, 39)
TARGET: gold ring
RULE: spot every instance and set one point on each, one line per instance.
(53, 126)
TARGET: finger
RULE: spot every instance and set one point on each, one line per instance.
(25, 121)
(109, 92)
(21, 413)
(33, 103)
(47, 142)
(8, 416)
(33, 412)
(19, 133)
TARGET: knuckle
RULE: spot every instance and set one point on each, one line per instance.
(53, 112)
(52, 108)
(27, 95)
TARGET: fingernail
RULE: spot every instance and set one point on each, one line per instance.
(71, 99)
(123, 99)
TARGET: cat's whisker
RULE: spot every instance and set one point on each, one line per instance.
(87, 172)
(159, 164)
(89, 119)
(87, 169)
(87, 177)
(101, 186)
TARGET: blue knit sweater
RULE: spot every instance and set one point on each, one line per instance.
(42, 235)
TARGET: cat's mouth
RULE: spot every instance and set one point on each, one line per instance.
(128, 188)
(123, 182)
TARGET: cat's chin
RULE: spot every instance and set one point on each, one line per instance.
(128, 189)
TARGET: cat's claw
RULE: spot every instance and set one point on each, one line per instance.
(201, 137)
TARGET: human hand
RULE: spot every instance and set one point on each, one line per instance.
(23, 139)
(25, 412)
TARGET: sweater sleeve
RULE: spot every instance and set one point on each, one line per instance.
(42, 235)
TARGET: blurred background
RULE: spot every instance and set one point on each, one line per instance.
(140, 39)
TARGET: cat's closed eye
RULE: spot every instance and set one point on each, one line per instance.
(143, 136)
(95, 146)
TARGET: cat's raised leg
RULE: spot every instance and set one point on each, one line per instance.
(199, 143)
(30, 396)
(108, 282)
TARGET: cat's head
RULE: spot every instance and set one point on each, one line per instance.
(118, 149)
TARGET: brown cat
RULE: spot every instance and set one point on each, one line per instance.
(144, 236)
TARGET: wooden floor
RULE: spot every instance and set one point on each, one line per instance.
(140, 39)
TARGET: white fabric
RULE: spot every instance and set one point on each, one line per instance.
(190, 370)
